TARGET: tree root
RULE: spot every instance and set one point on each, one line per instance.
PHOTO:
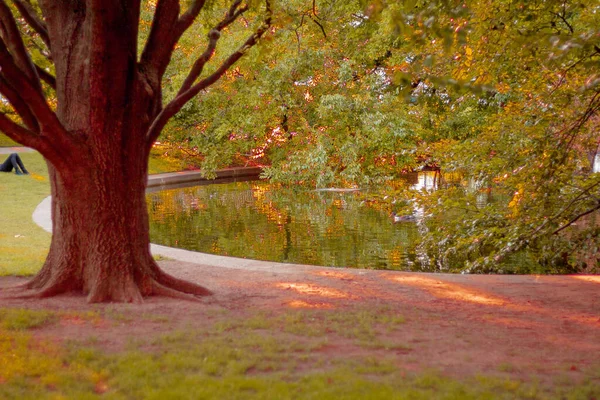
(21, 292)
(152, 281)
(181, 285)
(160, 290)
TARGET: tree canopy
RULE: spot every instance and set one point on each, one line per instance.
(503, 93)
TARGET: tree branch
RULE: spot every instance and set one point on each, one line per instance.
(564, 20)
(18, 133)
(19, 105)
(33, 20)
(46, 76)
(213, 37)
(179, 101)
(320, 26)
(187, 19)
(167, 29)
(12, 37)
(576, 218)
(29, 92)
(30, 139)
(161, 41)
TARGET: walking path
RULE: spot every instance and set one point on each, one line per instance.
(42, 217)
(10, 150)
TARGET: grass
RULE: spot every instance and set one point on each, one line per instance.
(166, 159)
(23, 319)
(6, 142)
(23, 244)
(249, 360)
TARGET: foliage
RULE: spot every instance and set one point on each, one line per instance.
(532, 146)
(505, 93)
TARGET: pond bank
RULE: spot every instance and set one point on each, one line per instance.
(190, 178)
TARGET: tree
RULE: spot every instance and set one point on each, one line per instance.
(320, 97)
(95, 121)
(520, 118)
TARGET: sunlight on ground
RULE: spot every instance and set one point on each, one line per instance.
(588, 278)
(335, 274)
(453, 291)
(514, 322)
(449, 290)
(562, 342)
(38, 177)
(314, 290)
(306, 304)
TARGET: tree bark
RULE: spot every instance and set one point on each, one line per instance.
(100, 244)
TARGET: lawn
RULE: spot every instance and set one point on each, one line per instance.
(266, 357)
(6, 142)
(23, 244)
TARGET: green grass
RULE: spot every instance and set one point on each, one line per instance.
(264, 362)
(23, 319)
(161, 161)
(6, 142)
(23, 244)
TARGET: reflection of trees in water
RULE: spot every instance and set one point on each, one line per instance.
(252, 220)
(259, 220)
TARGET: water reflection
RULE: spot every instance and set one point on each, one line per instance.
(256, 220)
(424, 180)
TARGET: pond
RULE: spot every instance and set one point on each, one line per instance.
(261, 221)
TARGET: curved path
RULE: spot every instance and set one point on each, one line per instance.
(9, 150)
(42, 217)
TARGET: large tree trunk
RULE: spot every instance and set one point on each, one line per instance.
(100, 243)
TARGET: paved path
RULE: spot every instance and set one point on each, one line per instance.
(10, 150)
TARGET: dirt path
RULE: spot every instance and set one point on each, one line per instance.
(540, 326)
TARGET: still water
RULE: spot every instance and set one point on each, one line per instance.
(261, 221)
